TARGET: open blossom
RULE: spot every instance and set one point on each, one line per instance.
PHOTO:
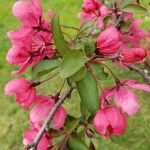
(134, 55)
(33, 41)
(24, 91)
(93, 10)
(29, 135)
(30, 51)
(135, 34)
(124, 97)
(41, 110)
(28, 12)
(110, 121)
(108, 42)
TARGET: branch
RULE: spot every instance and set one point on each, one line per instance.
(143, 72)
(40, 134)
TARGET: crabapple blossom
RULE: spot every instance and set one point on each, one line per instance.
(134, 55)
(93, 10)
(24, 91)
(123, 96)
(33, 42)
(109, 42)
(90, 6)
(30, 51)
(41, 110)
(110, 121)
(29, 135)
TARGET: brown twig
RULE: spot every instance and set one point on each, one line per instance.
(40, 134)
(143, 72)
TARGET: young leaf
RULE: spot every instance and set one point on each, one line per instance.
(99, 71)
(134, 8)
(72, 63)
(89, 46)
(88, 91)
(71, 124)
(76, 143)
(124, 3)
(58, 37)
(44, 67)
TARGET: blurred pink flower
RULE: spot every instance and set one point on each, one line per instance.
(123, 96)
(41, 110)
(108, 42)
(30, 134)
(134, 55)
(110, 121)
(91, 5)
(135, 34)
(93, 10)
(24, 90)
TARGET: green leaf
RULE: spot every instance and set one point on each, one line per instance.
(134, 8)
(44, 67)
(58, 37)
(84, 111)
(76, 143)
(72, 63)
(99, 71)
(71, 124)
(88, 91)
(89, 46)
(87, 28)
(124, 3)
(79, 75)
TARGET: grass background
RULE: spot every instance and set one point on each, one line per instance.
(14, 120)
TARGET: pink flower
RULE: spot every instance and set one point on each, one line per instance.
(41, 110)
(91, 5)
(29, 135)
(108, 41)
(134, 55)
(28, 12)
(32, 42)
(24, 90)
(30, 51)
(124, 97)
(110, 121)
(94, 11)
(135, 34)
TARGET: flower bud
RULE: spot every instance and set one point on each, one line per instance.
(90, 5)
(109, 41)
(134, 55)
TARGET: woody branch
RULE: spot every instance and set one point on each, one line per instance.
(40, 134)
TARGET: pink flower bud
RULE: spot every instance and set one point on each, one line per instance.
(110, 121)
(108, 41)
(134, 55)
(90, 5)
(24, 91)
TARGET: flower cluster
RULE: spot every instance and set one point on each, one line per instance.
(122, 46)
(115, 36)
(31, 44)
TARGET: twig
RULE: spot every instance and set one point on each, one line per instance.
(143, 72)
(40, 134)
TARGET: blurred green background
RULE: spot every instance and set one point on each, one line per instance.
(14, 120)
